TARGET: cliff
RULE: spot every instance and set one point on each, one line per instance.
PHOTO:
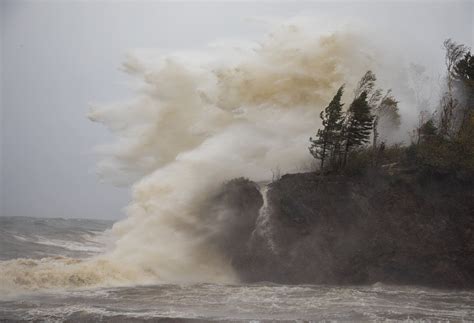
(380, 227)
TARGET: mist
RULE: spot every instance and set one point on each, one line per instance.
(59, 59)
(236, 161)
(201, 105)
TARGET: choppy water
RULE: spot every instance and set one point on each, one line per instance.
(36, 238)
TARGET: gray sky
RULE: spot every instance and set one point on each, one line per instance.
(57, 57)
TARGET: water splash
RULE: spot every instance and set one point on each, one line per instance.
(198, 121)
(263, 226)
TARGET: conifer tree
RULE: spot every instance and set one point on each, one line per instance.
(329, 136)
(367, 85)
(358, 124)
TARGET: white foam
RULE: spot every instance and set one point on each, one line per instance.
(195, 124)
(86, 246)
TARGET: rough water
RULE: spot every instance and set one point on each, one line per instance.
(200, 119)
(34, 238)
(38, 238)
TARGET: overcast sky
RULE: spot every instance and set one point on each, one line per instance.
(57, 57)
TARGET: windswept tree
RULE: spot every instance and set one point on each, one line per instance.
(366, 84)
(327, 139)
(454, 53)
(449, 103)
(445, 143)
(358, 125)
(463, 75)
(463, 70)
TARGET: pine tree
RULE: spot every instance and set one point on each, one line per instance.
(367, 85)
(358, 124)
(329, 136)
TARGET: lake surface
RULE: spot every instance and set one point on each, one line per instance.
(37, 238)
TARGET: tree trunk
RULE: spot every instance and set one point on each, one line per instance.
(374, 144)
(323, 157)
(346, 151)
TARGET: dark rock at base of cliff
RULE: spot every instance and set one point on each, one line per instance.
(357, 230)
(231, 214)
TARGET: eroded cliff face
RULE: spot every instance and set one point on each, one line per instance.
(332, 229)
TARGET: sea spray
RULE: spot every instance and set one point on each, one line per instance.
(194, 125)
(263, 227)
(208, 123)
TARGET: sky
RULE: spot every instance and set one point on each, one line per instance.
(59, 57)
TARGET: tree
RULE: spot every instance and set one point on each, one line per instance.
(358, 124)
(463, 74)
(449, 103)
(463, 70)
(366, 84)
(454, 53)
(446, 147)
(328, 137)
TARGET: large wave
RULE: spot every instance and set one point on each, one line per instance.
(200, 119)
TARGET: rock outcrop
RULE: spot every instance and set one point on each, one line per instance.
(352, 230)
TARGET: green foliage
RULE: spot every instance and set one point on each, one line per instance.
(463, 73)
(342, 134)
(327, 138)
(367, 85)
(444, 145)
(358, 125)
(464, 69)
